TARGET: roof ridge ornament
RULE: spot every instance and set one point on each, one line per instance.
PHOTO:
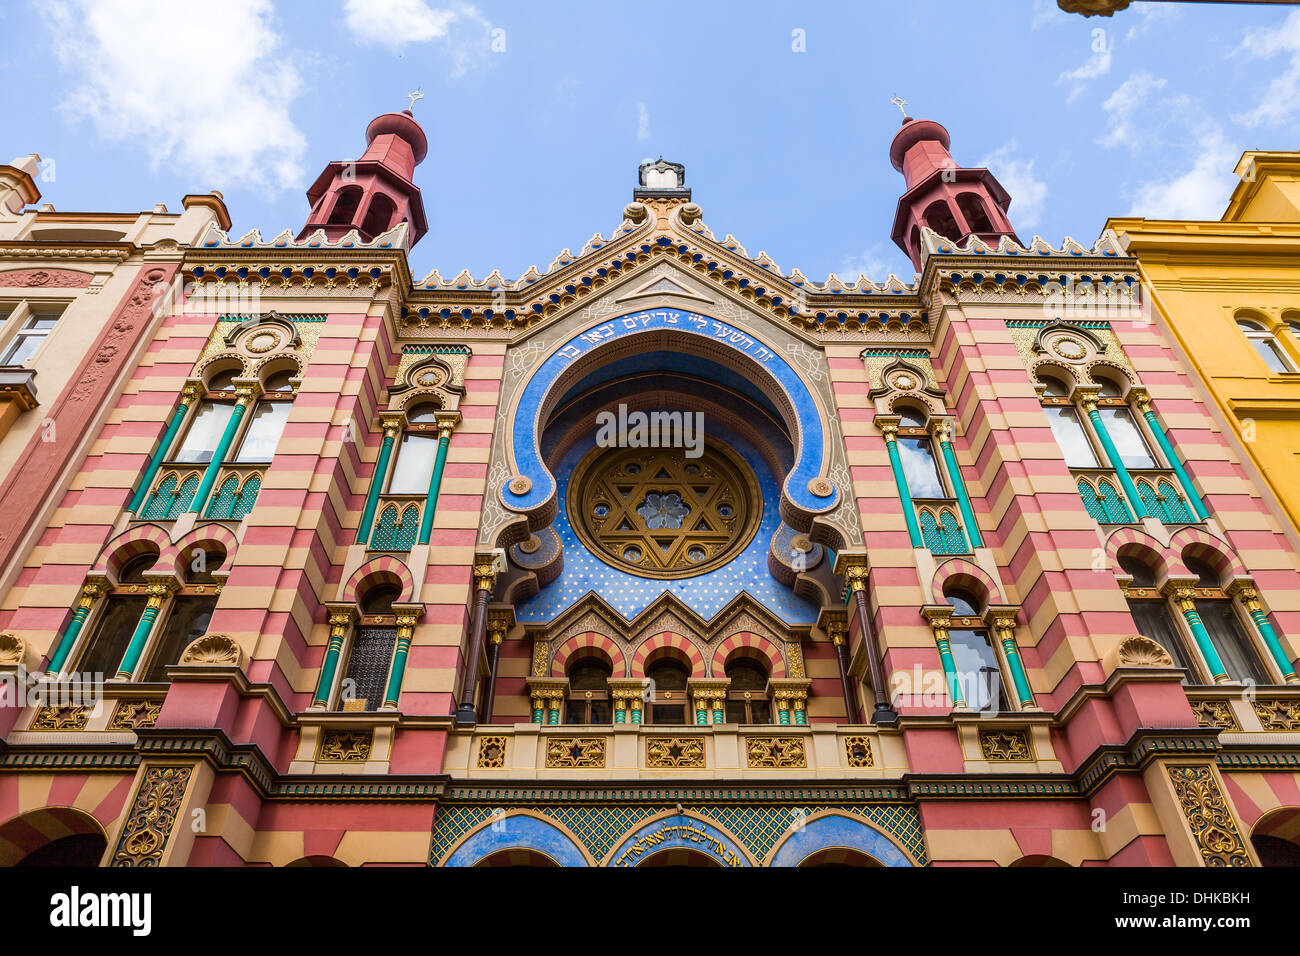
(661, 180)
(413, 96)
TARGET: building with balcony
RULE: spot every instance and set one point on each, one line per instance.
(662, 556)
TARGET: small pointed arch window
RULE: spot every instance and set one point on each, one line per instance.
(973, 655)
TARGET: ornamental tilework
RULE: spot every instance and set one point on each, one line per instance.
(757, 826)
(708, 593)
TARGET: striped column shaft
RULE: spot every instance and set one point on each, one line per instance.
(340, 621)
(406, 618)
(1005, 628)
(1162, 439)
(244, 398)
(1250, 600)
(1112, 455)
(391, 427)
(1183, 597)
(157, 592)
(435, 482)
(900, 479)
(188, 395)
(944, 434)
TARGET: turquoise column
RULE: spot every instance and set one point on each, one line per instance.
(435, 480)
(245, 398)
(939, 624)
(391, 426)
(944, 434)
(1005, 627)
(1112, 454)
(1250, 599)
(157, 594)
(1198, 506)
(340, 619)
(1183, 597)
(406, 618)
(188, 394)
(900, 478)
(90, 593)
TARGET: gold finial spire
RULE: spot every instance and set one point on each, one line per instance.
(413, 96)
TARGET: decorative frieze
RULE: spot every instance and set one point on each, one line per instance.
(136, 714)
(1008, 745)
(1278, 714)
(491, 752)
(857, 751)
(674, 752)
(153, 814)
(1215, 713)
(776, 753)
(569, 752)
(345, 746)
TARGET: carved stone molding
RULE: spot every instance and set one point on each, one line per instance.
(212, 650)
(13, 650)
(1208, 816)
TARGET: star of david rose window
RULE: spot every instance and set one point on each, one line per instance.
(657, 513)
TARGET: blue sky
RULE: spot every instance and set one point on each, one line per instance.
(539, 113)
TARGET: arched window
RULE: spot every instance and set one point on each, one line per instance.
(379, 215)
(417, 452)
(973, 655)
(973, 211)
(264, 431)
(1269, 349)
(187, 621)
(938, 216)
(589, 701)
(1219, 614)
(1154, 617)
(370, 656)
(1121, 427)
(345, 206)
(119, 613)
(1067, 428)
(668, 692)
(747, 701)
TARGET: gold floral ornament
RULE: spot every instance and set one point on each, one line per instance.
(153, 814)
(492, 752)
(12, 650)
(212, 650)
(657, 513)
(1208, 816)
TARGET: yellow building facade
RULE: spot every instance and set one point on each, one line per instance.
(1228, 291)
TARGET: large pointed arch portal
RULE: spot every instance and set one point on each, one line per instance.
(805, 493)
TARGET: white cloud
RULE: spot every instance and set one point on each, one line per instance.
(202, 86)
(1122, 105)
(396, 24)
(1028, 192)
(871, 262)
(1096, 65)
(1197, 193)
(1164, 130)
(1281, 99)
(1047, 13)
(1152, 15)
(642, 123)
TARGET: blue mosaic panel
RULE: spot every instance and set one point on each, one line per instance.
(247, 497)
(706, 594)
(527, 425)
(184, 497)
(943, 536)
(1173, 506)
(160, 502)
(223, 503)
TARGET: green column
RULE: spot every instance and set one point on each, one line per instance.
(1183, 598)
(90, 593)
(1005, 627)
(1250, 599)
(157, 594)
(435, 480)
(1198, 506)
(539, 710)
(963, 501)
(939, 624)
(340, 619)
(900, 479)
(1112, 454)
(219, 456)
(405, 628)
(391, 427)
(188, 394)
